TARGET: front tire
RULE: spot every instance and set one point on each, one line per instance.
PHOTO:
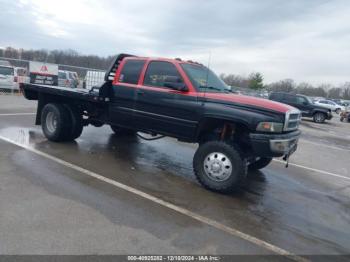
(218, 166)
(260, 164)
(319, 118)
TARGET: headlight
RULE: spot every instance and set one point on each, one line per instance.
(270, 127)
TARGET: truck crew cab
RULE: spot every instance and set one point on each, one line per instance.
(181, 99)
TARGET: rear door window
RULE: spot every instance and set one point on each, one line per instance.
(290, 99)
(21, 72)
(301, 100)
(131, 71)
(276, 96)
(62, 75)
(158, 72)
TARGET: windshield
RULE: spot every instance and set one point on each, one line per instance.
(21, 71)
(7, 71)
(309, 100)
(205, 80)
(71, 75)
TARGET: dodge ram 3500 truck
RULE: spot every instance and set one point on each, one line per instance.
(180, 99)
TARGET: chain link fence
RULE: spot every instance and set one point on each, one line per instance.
(16, 71)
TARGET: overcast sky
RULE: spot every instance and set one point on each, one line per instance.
(307, 40)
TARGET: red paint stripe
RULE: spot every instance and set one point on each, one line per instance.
(42, 74)
(253, 101)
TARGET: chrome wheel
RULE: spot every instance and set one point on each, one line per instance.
(319, 118)
(51, 122)
(217, 166)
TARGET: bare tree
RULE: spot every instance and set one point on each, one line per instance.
(235, 80)
(286, 85)
(346, 91)
(309, 90)
(335, 92)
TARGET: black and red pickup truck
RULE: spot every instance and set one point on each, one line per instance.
(180, 99)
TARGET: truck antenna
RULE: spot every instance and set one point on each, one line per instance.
(207, 77)
(206, 81)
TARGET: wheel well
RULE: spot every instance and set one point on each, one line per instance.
(316, 112)
(44, 99)
(220, 129)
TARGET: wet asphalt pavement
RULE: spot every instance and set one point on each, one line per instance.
(48, 208)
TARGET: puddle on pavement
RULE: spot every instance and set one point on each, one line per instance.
(22, 135)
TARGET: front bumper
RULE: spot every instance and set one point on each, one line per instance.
(274, 145)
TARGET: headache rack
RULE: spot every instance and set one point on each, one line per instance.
(110, 74)
(103, 93)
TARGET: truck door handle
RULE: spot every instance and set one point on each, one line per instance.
(140, 92)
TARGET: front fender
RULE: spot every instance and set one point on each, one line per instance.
(249, 117)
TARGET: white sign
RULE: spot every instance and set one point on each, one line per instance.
(43, 73)
(43, 68)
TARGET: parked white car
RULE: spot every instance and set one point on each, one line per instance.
(20, 76)
(7, 74)
(68, 78)
(330, 105)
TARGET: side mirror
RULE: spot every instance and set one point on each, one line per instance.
(305, 103)
(175, 83)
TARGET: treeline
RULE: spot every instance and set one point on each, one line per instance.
(288, 85)
(65, 57)
(255, 81)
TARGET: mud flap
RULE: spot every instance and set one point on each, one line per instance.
(246, 165)
(41, 103)
(286, 156)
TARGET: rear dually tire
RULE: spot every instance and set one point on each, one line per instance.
(56, 122)
(77, 124)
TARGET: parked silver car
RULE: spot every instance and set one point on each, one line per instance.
(330, 105)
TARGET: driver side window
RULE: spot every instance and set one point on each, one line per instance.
(158, 72)
(301, 100)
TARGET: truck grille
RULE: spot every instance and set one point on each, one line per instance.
(292, 120)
